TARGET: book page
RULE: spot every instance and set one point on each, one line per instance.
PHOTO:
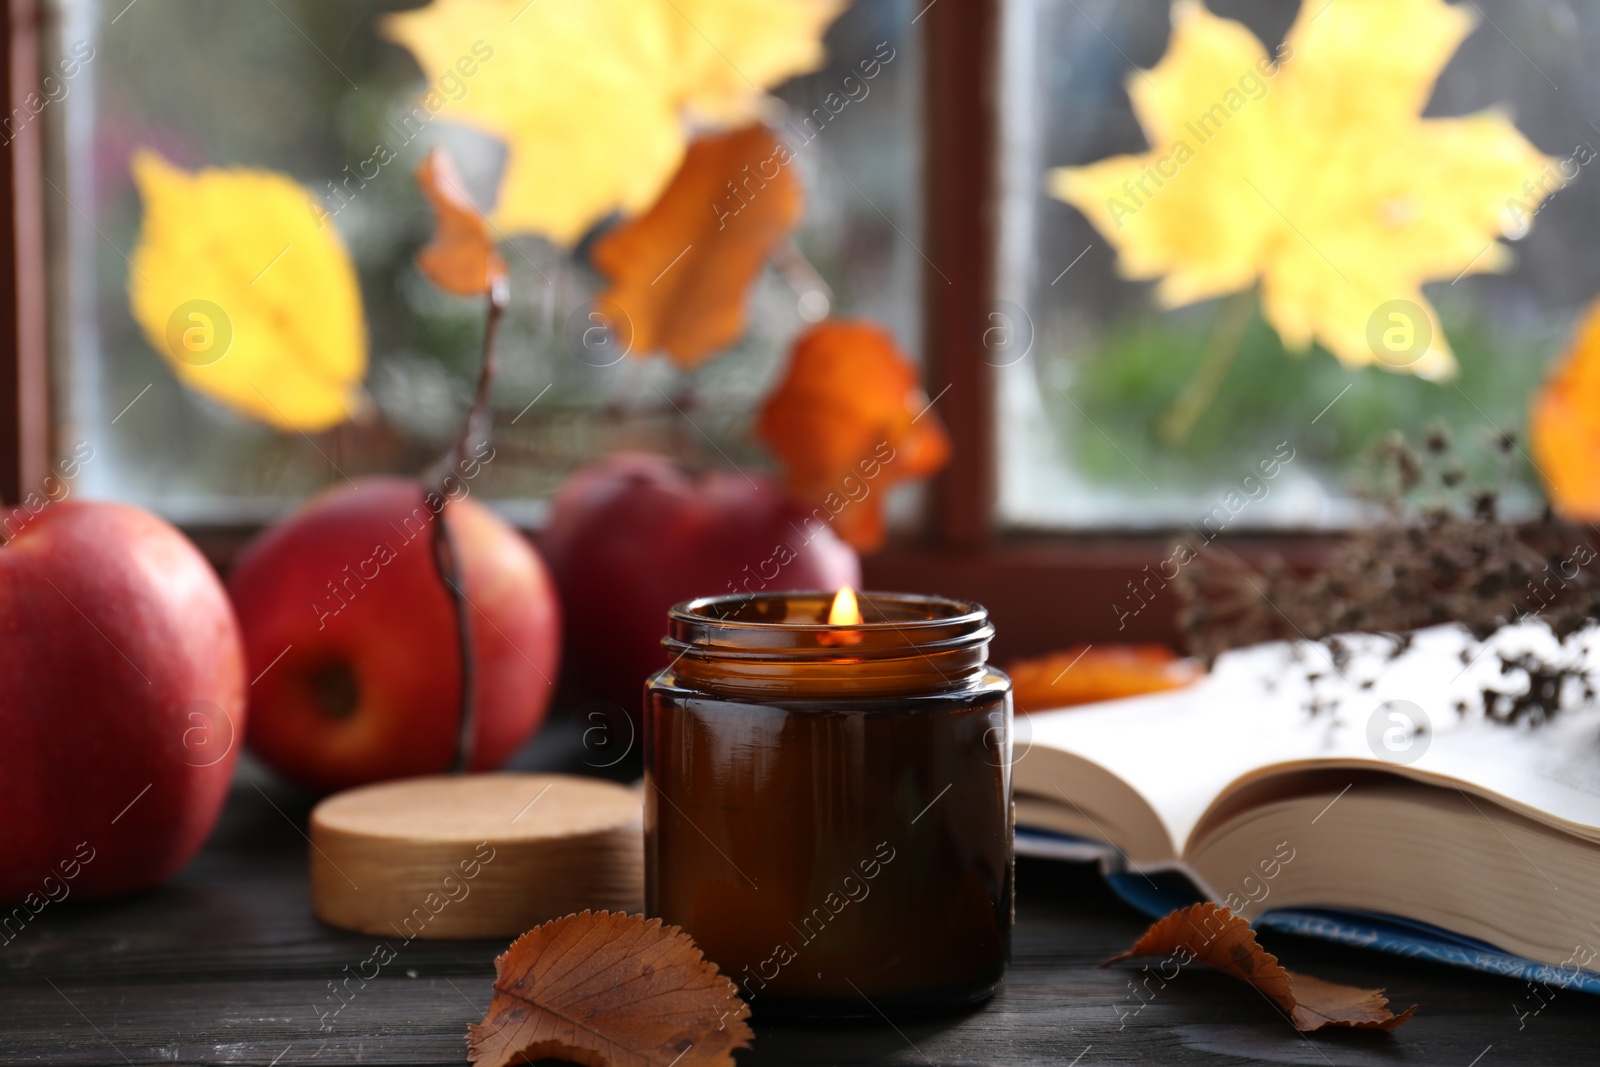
(1273, 707)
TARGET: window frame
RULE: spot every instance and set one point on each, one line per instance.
(25, 431)
(1045, 592)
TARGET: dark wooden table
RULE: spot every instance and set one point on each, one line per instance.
(227, 965)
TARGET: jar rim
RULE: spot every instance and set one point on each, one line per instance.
(950, 612)
(779, 641)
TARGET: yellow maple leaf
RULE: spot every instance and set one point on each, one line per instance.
(593, 97)
(1311, 172)
(250, 298)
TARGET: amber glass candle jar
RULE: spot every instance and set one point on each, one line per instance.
(828, 807)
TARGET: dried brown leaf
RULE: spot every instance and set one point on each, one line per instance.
(463, 257)
(1322, 1004)
(1213, 935)
(609, 990)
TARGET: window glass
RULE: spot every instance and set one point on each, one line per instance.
(313, 89)
(1095, 428)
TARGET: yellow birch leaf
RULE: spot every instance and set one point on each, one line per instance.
(251, 299)
(593, 97)
(1311, 173)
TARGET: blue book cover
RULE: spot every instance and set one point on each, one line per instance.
(1162, 892)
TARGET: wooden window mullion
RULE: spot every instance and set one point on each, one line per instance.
(960, 151)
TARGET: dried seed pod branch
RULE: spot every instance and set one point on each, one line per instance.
(463, 259)
(1441, 554)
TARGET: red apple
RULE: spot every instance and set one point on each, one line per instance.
(124, 691)
(351, 637)
(634, 534)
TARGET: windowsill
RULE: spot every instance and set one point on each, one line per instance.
(1045, 593)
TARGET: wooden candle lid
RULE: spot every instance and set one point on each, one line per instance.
(485, 855)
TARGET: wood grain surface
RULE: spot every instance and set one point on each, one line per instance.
(483, 855)
(227, 964)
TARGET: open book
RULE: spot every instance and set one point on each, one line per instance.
(1361, 796)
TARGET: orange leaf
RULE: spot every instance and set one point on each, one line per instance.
(1212, 935)
(1083, 675)
(849, 420)
(462, 257)
(1564, 426)
(680, 271)
(609, 990)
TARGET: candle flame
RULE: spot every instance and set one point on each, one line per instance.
(845, 611)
